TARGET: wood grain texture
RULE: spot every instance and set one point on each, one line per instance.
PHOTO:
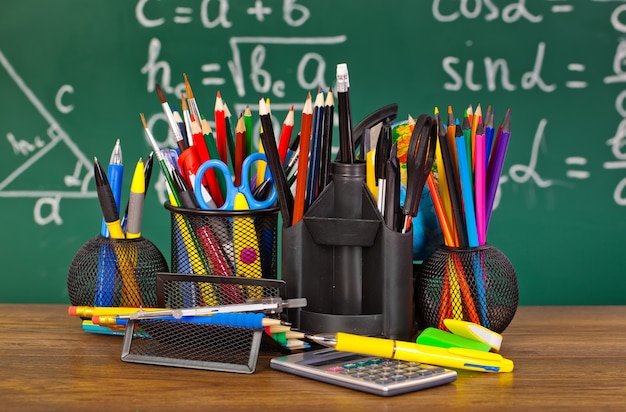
(570, 358)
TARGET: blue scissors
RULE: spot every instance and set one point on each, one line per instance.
(232, 192)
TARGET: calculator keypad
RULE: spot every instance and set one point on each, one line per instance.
(385, 371)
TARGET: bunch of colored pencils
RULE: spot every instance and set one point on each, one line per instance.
(469, 160)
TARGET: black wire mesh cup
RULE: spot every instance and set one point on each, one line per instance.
(477, 285)
(115, 272)
(240, 243)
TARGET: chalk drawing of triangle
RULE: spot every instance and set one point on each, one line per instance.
(73, 176)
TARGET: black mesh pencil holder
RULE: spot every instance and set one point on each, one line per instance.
(224, 242)
(188, 344)
(476, 285)
(115, 272)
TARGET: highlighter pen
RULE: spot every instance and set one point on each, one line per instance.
(458, 358)
(136, 202)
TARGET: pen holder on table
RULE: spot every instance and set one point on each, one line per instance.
(197, 345)
(224, 242)
(356, 273)
(477, 285)
(115, 272)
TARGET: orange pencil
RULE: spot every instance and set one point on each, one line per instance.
(303, 159)
(441, 214)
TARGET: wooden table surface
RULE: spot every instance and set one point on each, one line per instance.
(566, 358)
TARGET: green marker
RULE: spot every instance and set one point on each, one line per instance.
(443, 339)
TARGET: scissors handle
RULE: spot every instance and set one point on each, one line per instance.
(419, 162)
(245, 188)
(231, 190)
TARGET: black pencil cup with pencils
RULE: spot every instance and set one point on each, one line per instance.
(115, 272)
(477, 285)
(241, 243)
(356, 273)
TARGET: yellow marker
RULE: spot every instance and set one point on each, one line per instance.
(458, 358)
(247, 253)
(135, 202)
(370, 176)
(475, 332)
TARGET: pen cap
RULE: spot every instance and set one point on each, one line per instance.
(115, 272)
(476, 285)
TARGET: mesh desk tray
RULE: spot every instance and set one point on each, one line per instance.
(173, 342)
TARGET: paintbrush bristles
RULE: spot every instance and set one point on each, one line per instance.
(188, 87)
(160, 93)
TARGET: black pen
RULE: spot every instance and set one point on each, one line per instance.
(383, 148)
(392, 211)
(107, 201)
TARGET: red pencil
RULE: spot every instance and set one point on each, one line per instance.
(285, 136)
(240, 148)
(303, 160)
(220, 128)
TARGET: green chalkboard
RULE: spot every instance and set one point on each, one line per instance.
(74, 76)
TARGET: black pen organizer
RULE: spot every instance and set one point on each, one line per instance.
(115, 272)
(356, 274)
(224, 242)
(475, 284)
(187, 344)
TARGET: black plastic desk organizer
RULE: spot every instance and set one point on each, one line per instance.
(355, 272)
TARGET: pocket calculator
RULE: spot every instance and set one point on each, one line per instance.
(380, 376)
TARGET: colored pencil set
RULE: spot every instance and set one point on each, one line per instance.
(212, 180)
(468, 162)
